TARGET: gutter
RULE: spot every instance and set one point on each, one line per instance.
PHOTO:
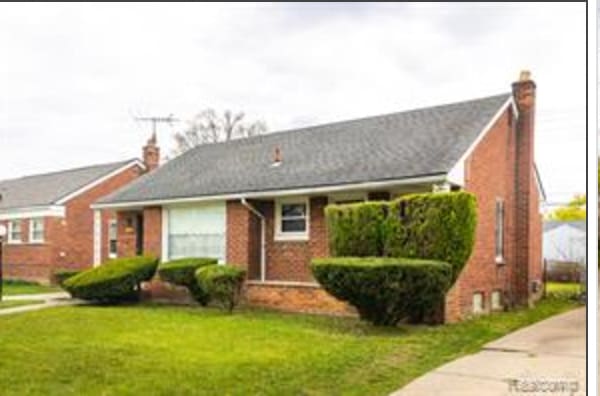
(433, 178)
(263, 227)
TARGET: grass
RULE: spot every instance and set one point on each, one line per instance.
(162, 350)
(18, 303)
(564, 288)
(14, 287)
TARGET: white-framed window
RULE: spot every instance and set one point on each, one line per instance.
(478, 306)
(292, 219)
(15, 235)
(36, 230)
(112, 238)
(496, 300)
(499, 238)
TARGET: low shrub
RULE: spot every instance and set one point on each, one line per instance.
(61, 275)
(114, 281)
(386, 291)
(182, 272)
(222, 283)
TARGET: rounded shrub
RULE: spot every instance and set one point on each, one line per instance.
(114, 281)
(386, 291)
(222, 283)
(182, 272)
(61, 275)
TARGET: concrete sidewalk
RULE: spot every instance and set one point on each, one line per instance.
(49, 300)
(548, 356)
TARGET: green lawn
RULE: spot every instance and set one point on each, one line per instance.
(14, 287)
(18, 303)
(161, 350)
(563, 288)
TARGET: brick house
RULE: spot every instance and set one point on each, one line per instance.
(49, 219)
(258, 202)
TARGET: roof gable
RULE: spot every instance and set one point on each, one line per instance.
(407, 144)
(53, 188)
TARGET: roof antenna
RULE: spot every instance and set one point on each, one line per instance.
(155, 120)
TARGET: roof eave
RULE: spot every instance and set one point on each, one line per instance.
(433, 178)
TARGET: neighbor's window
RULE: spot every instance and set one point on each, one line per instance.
(36, 230)
(496, 300)
(477, 302)
(14, 232)
(292, 219)
(112, 238)
(499, 231)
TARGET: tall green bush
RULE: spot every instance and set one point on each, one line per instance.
(386, 290)
(356, 229)
(439, 226)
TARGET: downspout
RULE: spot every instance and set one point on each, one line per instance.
(263, 228)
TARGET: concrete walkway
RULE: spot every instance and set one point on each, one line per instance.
(50, 300)
(546, 358)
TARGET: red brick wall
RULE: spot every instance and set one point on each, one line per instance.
(290, 260)
(242, 239)
(153, 231)
(489, 174)
(295, 298)
(68, 241)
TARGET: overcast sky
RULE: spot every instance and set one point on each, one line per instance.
(72, 77)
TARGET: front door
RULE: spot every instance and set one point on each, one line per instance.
(139, 232)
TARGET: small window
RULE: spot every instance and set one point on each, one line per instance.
(36, 230)
(292, 220)
(496, 300)
(499, 231)
(14, 232)
(112, 239)
(478, 303)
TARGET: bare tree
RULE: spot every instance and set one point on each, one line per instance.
(209, 127)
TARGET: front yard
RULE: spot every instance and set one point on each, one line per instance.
(14, 287)
(160, 350)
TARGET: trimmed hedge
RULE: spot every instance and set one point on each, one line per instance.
(114, 281)
(356, 229)
(386, 291)
(223, 283)
(182, 272)
(438, 226)
(61, 275)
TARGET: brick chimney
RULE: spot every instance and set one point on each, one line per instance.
(151, 154)
(525, 203)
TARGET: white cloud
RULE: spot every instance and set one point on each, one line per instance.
(72, 75)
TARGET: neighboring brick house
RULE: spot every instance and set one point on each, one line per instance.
(49, 219)
(258, 202)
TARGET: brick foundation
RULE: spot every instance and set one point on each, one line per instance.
(290, 297)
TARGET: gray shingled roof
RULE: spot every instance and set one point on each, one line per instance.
(49, 188)
(413, 143)
(552, 224)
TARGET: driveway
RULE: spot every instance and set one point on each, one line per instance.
(545, 358)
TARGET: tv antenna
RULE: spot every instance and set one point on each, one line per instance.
(156, 120)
